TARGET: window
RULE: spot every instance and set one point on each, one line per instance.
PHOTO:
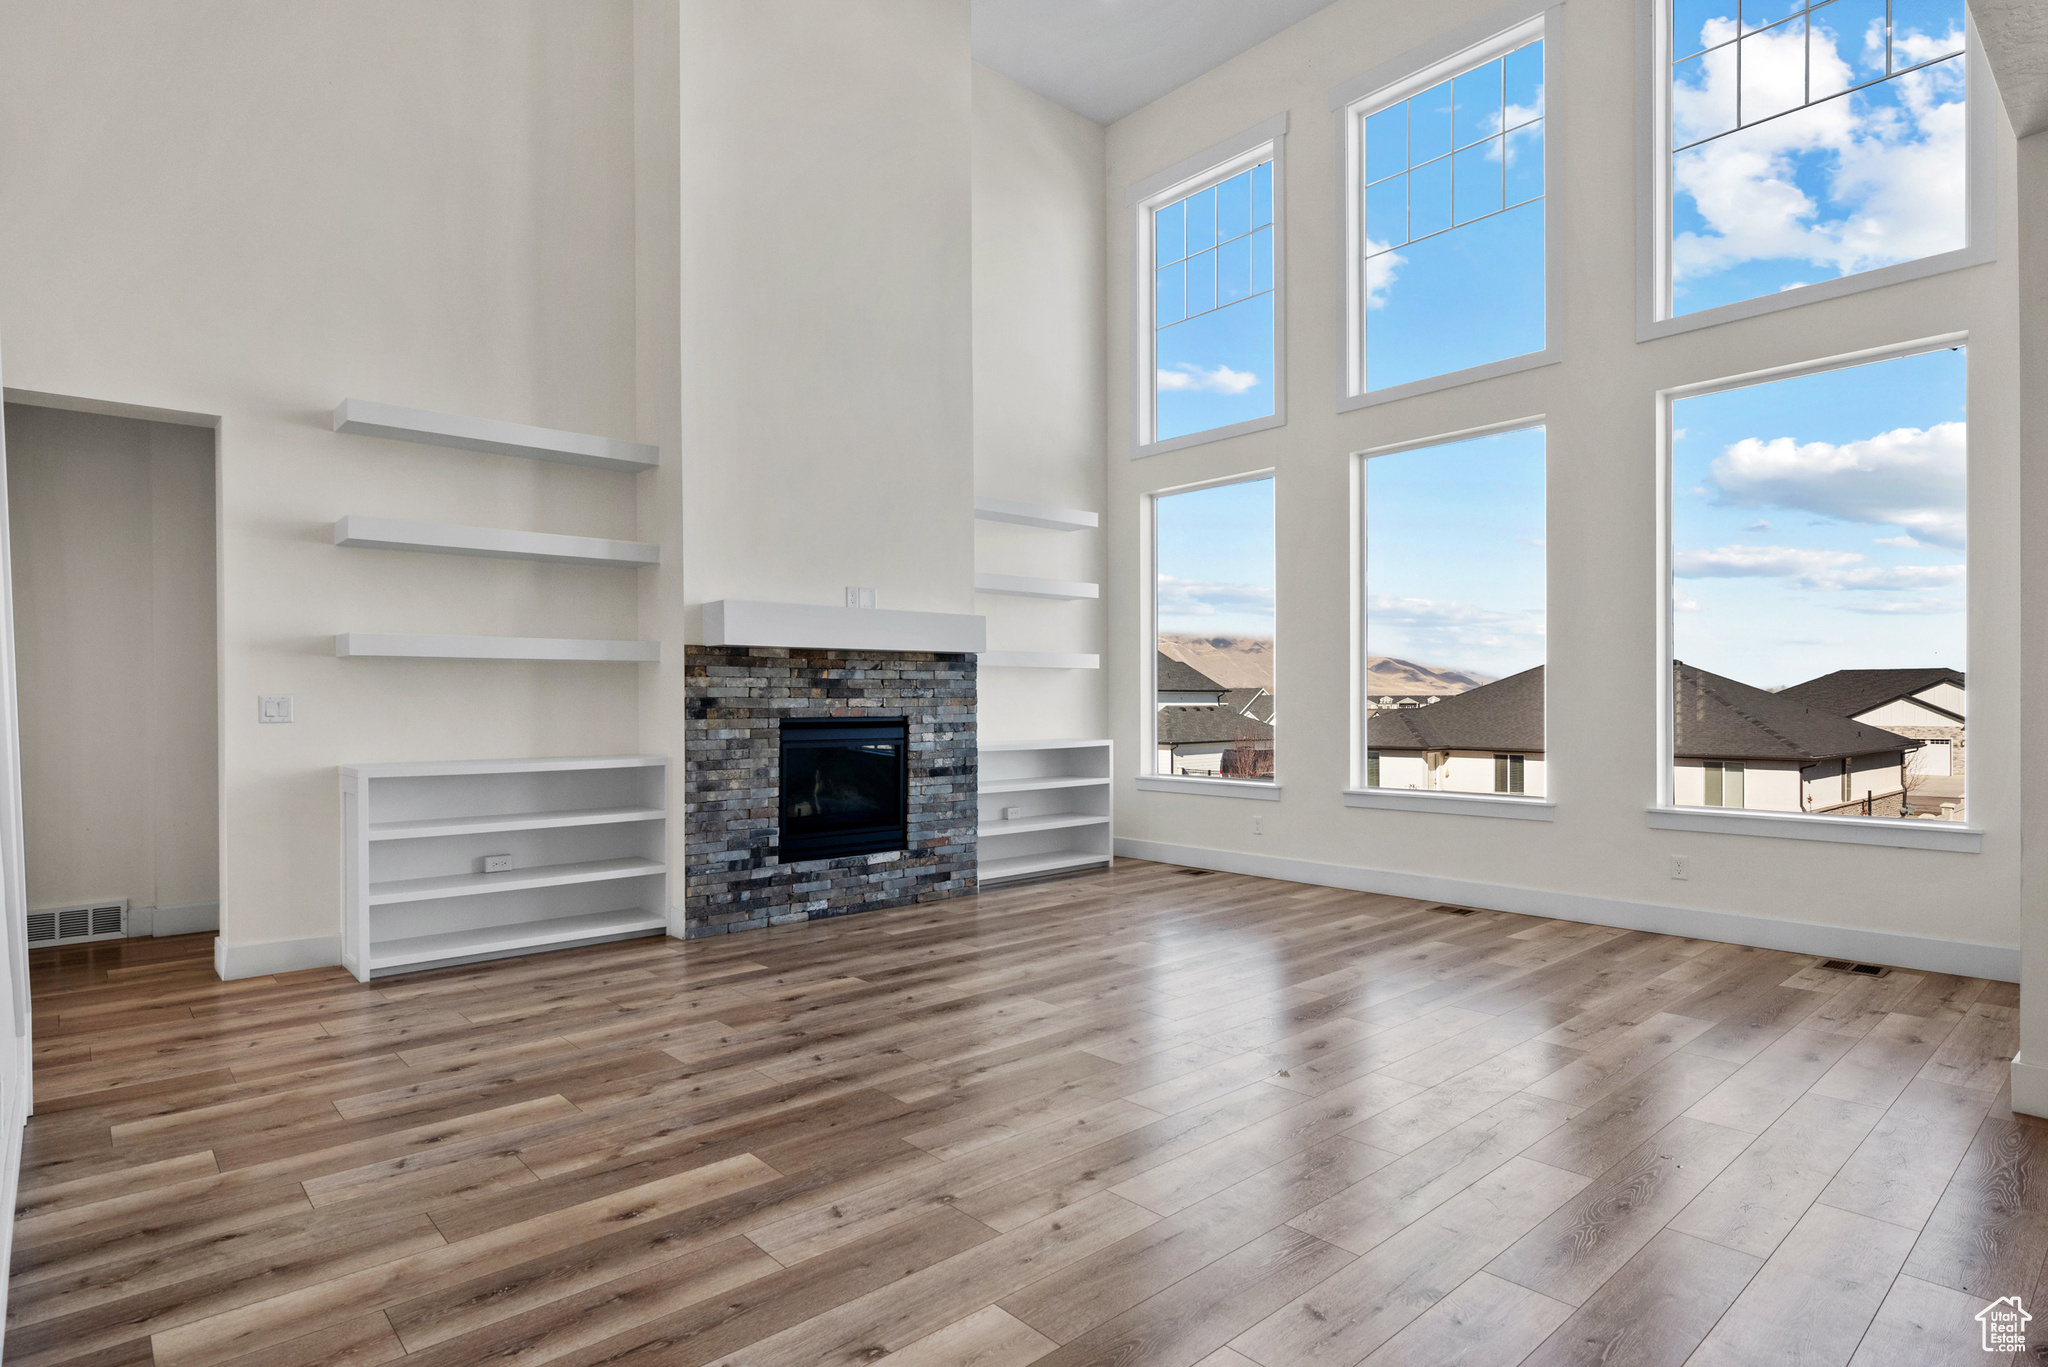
(1447, 270)
(1209, 258)
(1214, 699)
(1454, 616)
(1806, 143)
(1818, 564)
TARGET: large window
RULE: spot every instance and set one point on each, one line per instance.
(1208, 271)
(1454, 616)
(1214, 689)
(1447, 220)
(1818, 614)
(1809, 142)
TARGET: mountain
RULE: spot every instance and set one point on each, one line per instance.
(1247, 662)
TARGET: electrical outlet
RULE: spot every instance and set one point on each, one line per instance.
(272, 708)
(1012, 813)
(1258, 825)
(1681, 866)
(497, 863)
(859, 598)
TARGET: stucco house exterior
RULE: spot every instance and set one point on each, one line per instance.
(1929, 705)
(1208, 731)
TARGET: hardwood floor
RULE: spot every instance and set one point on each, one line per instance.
(1152, 1116)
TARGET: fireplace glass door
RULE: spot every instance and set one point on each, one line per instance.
(845, 787)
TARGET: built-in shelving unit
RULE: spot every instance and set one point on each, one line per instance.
(1021, 586)
(1044, 808)
(1035, 515)
(441, 538)
(364, 418)
(361, 643)
(1037, 659)
(585, 841)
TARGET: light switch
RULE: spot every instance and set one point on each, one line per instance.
(859, 598)
(274, 707)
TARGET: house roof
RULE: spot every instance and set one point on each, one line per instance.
(1849, 691)
(1255, 703)
(1504, 715)
(1208, 725)
(1716, 718)
(1175, 677)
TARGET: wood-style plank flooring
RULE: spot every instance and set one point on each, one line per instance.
(1148, 1117)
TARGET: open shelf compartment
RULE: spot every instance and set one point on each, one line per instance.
(1044, 808)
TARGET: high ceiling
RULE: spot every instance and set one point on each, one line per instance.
(1104, 58)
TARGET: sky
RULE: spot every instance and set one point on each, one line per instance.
(1844, 182)
(1213, 306)
(1454, 553)
(1817, 523)
(1214, 549)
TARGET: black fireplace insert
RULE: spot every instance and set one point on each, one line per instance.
(845, 787)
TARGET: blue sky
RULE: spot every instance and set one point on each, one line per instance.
(1818, 522)
(1213, 306)
(1844, 182)
(1454, 553)
(1215, 560)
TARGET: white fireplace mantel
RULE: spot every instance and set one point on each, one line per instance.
(800, 626)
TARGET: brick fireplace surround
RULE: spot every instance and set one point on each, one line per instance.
(737, 696)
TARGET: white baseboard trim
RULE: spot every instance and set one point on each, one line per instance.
(188, 918)
(274, 956)
(1924, 952)
(2029, 1087)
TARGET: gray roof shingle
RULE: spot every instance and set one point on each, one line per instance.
(1175, 677)
(1200, 725)
(1849, 691)
(1504, 715)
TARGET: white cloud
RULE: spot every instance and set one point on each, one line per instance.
(1809, 569)
(1482, 638)
(1890, 176)
(1683, 604)
(1205, 598)
(1906, 478)
(1904, 542)
(1222, 380)
(1923, 608)
(1382, 268)
(1757, 527)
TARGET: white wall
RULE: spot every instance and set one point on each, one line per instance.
(113, 555)
(253, 210)
(1600, 852)
(1909, 712)
(1471, 771)
(1039, 381)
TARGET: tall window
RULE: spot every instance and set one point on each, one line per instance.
(1209, 254)
(1818, 611)
(1810, 141)
(1214, 685)
(1454, 616)
(1448, 228)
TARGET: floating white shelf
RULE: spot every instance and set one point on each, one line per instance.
(487, 434)
(441, 538)
(1035, 515)
(1044, 808)
(1021, 586)
(1038, 659)
(432, 827)
(490, 942)
(585, 839)
(359, 643)
(511, 880)
(808, 626)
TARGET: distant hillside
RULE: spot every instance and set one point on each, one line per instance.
(1247, 662)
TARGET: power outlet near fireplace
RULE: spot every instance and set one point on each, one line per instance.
(859, 598)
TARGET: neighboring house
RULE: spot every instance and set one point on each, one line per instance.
(1388, 702)
(1183, 685)
(1926, 704)
(1255, 703)
(1736, 746)
(1214, 742)
(1487, 740)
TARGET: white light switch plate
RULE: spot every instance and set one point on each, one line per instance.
(859, 598)
(274, 707)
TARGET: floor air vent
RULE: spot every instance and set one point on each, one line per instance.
(76, 925)
(1845, 966)
(1198, 873)
(1456, 911)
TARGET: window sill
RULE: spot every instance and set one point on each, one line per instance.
(1203, 438)
(1208, 787)
(1451, 804)
(1897, 832)
(1650, 328)
(1470, 375)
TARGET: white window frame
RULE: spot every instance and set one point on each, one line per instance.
(1149, 779)
(1519, 807)
(1664, 813)
(1265, 141)
(1654, 318)
(1363, 96)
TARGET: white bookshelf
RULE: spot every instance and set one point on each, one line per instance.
(1035, 515)
(1044, 808)
(1024, 586)
(364, 418)
(442, 538)
(359, 644)
(586, 838)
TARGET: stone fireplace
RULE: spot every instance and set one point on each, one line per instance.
(857, 729)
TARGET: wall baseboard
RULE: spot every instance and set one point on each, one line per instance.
(187, 918)
(2029, 1087)
(1962, 957)
(274, 956)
